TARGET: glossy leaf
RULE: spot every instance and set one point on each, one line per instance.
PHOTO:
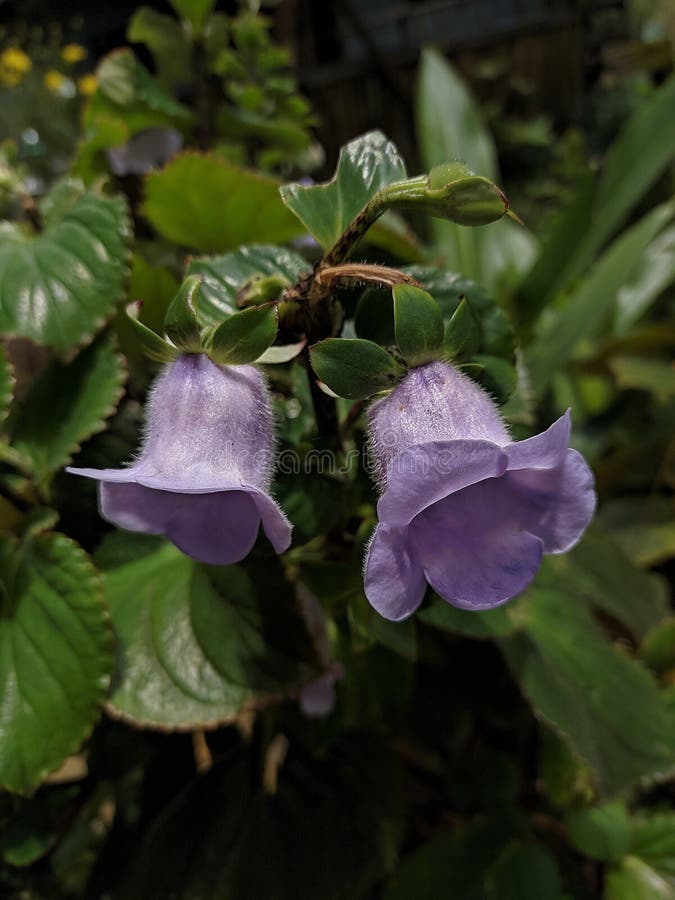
(66, 405)
(338, 852)
(55, 660)
(569, 673)
(418, 324)
(197, 644)
(181, 323)
(206, 203)
(365, 165)
(244, 336)
(355, 368)
(224, 276)
(60, 287)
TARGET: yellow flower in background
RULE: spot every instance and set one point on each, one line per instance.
(14, 64)
(87, 84)
(73, 53)
(54, 81)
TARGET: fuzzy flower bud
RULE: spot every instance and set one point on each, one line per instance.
(203, 475)
(463, 508)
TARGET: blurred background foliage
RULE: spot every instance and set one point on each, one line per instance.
(527, 752)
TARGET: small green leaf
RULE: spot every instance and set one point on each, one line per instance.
(167, 42)
(354, 368)
(462, 333)
(195, 11)
(365, 165)
(601, 832)
(524, 872)
(283, 354)
(181, 324)
(418, 324)
(59, 287)
(244, 336)
(658, 647)
(206, 203)
(635, 880)
(66, 405)
(154, 346)
(56, 655)
(198, 644)
(224, 276)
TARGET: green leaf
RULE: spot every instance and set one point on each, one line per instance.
(60, 287)
(224, 276)
(6, 384)
(244, 336)
(167, 42)
(127, 92)
(637, 373)
(354, 368)
(601, 832)
(198, 644)
(638, 156)
(365, 165)
(600, 573)
(635, 880)
(524, 872)
(658, 647)
(462, 333)
(591, 304)
(206, 203)
(643, 526)
(66, 405)
(211, 842)
(195, 11)
(491, 623)
(451, 864)
(418, 324)
(181, 324)
(570, 674)
(56, 654)
(654, 273)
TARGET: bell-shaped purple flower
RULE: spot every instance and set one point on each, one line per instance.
(203, 475)
(463, 508)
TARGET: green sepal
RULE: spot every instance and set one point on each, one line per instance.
(355, 368)
(463, 336)
(244, 336)
(261, 289)
(181, 324)
(154, 346)
(418, 324)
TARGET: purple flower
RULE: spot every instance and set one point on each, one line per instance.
(464, 508)
(203, 475)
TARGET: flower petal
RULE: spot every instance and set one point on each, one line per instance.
(424, 474)
(394, 581)
(555, 504)
(474, 552)
(274, 522)
(543, 451)
(120, 476)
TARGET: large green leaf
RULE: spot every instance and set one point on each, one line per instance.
(128, 93)
(224, 276)
(67, 404)
(59, 287)
(206, 203)
(55, 656)
(604, 704)
(365, 165)
(329, 828)
(591, 304)
(641, 152)
(198, 644)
